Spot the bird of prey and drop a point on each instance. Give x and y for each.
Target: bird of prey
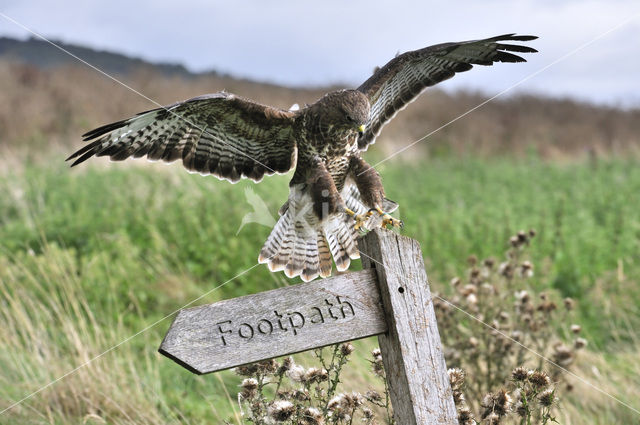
(333, 192)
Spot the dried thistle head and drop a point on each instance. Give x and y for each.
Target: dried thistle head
(579, 343)
(456, 378)
(520, 374)
(562, 355)
(576, 329)
(539, 379)
(465, 417)
(268, 367)
(249, 388)
(373, 395)
(311, 416)
(491, 419)
(346, 349)
(314, 375)
(569, 303)
(497, 403)
(547, 397)
(281, 410)
(286, 365)
(296, 373)
(247, 370)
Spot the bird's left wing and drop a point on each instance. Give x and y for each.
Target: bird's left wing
(401, 80)
(220, 134)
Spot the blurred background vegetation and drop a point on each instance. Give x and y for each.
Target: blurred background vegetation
(95, 255)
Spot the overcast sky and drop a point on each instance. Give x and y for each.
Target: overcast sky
(299, 43)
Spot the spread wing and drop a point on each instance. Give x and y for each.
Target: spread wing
(220, 134)
(400, 81)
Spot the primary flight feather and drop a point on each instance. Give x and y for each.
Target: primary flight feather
(333, 192)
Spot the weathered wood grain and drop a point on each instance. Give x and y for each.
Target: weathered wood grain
(411, 350)
(275, 323)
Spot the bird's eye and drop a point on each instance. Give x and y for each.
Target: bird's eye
(350, 119)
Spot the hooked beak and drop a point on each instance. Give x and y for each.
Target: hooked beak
(361, 130)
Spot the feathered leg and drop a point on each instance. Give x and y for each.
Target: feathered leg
(369, 185)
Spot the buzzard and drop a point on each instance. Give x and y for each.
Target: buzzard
(333, 192)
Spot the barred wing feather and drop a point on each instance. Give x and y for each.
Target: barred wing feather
(399, 82)
(219, 134)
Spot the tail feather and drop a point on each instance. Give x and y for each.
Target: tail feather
(301, 245)
(324, 255)
(312, 260)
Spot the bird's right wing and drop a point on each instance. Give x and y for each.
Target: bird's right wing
(220, 134)
(400, 81)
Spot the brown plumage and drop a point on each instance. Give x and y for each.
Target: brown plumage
(231, 138)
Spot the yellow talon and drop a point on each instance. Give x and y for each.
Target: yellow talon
(350, 212)
(387, 220)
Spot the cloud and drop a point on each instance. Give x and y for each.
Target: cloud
(297, 43)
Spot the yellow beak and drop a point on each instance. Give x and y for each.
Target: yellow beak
(361, 129)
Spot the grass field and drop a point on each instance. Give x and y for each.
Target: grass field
(91, 256)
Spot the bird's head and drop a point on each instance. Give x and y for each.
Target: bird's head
(347, 110)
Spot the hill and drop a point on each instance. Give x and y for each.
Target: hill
(50, 98)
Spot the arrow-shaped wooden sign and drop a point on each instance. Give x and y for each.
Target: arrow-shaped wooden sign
(275, 323)
(390, 298)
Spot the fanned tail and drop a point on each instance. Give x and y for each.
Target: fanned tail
(303, 246)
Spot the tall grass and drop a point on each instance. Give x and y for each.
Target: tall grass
(90, 256)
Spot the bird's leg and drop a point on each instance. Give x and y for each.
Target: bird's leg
(370, 187)
(326, 199)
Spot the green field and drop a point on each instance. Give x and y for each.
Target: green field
(91, 256)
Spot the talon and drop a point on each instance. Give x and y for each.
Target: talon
(387, 220)
(361, 219)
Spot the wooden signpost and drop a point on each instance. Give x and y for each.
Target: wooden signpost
(390, 298)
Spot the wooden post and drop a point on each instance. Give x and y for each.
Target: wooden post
(411, 349)
(389, 298)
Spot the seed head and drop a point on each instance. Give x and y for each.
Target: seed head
(346, 349)
(523, 237)
(539, 379)
(296, 373)
(311, 416)
(336, 402)
(286, 365)
(491, 419)
(268, 366)
(456, 378)
(576, 329)
(520, 374)
(249, 388)
(281, 410)
(301, 395)
(247, 370)
(523, 296)
(547, 397)
(367, 414)
(562, 355)
(315, 375)
(465, 417)
(455, 281)
(569, 303)
(373, 395)
(579, 343)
